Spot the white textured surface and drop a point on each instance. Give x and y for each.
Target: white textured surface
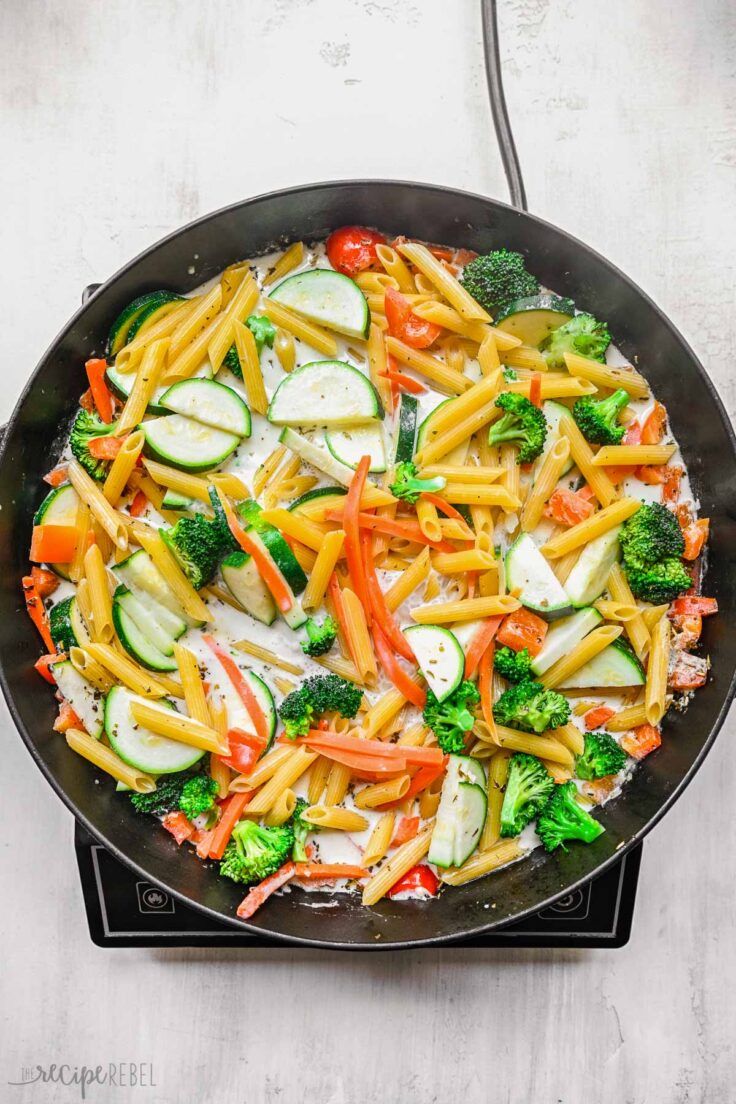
(123, 120)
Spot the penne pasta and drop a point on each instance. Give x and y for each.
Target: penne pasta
(581, 452)
(372, 797)
(434, 369)
(286, 775)
(290, 259)
(616, 611)
(553, 386)
(407, 856)
(310, 533)
(544, 747)
(282, 809)
(201, 314)
(89, 492)
(318, 775)
(579, 655)
(380, 838)
(484, 862)
(124, 669)
(192, 687)
(299, 327)
(545, 482)
(604, 376)
(265, 769)
(338, 782)
(467, 494)
(628, 718)
(444, 281)
(175, 726)
(611, 455)
(592, 527)
(146, 382)
(360, 644)
(655, 689)
(250, 365)
(106, 759)
(328, 554)
(332, 816)
(570, 737)
(652, 615)
(451, 563)
(498, 769)
(267, 656)
(378, 366)
(185, 593)
(122, 467)
(100, 603)
(193, 486)
(470, 609)
(396, 268)
(428, 519)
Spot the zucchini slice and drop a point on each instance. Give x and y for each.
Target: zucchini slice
(186, 444)
(86, 702)
(349, 446)
(532, 580)
(553, 412)
(143, 305)
(616, 665)
(136, 643)
(406, 428)
(66, 626)
(325, 393)
(138, 746)
(461, 813)
(153, 313)
(458, 455)
(440, 657)
(534, 318)
(58, 508)
(121, 382)
(143, 578)
(319, 458)
(274, 544)
(317, 492)
(241, 578)
(589, 576)
(211, 403)
(172, 500)
(328, 298)
(563, 635)
(156, 622)
(237, 714)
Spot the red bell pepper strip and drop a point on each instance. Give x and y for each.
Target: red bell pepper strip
(691, 605)
(43, 666)
(485, 685)
(245, 750)
(53, 543)
(138, 504)
(404, 382)
(419, 877)
(377, 600)
(36, 611)
(232, 811)
(352, 249)
(100, 391)
(408, 327)
(406, 830)
(243, 690)
(260, 893)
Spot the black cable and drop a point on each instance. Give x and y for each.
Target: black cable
(494, 78)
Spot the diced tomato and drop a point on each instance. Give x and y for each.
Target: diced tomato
(653, 429)
(138, 505)
(632, 436)
(695, 536)
(598, 716)
(105, 448)
(407, 326)
(523, 629)
(568, 508)
(688, 630)
(693, 604)
(406, 830)
(67, 718)
(641, 741)
(245, 750)
(43, 666)
(599, 788)
(671, 485)
(351, 249)
(419, 877)
(56, 476)
(180, 828)
(688, 673)
(87, 402)
(618, 472)
(46, 581)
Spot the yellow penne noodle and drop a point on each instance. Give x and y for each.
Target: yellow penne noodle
(407, 856)
(628, 718)
(408, 581)
(469, 494)
(579, 655)
(377, 365)
(484, 862)
(592, 527)
(616, 611)
(290, 259)
(580, 450)
(360, 641)
(652, 615)
(554, 386)
(428, 519)
(172, 573)
(444, 281)
(106, 759)
(193, 486)
(452, 563)
(570, 737)
(285, 349)
(299, 528)
(524, 358)
(341, 666)
(396, 268)
(122, 467)
(544, 747)
(289, 772)
(306, 331)
(221, 336)
(282, 809)
(498, 770)
(264, 770)
(91, 670)
(611, 455)
(250, 364)
(146, 382)
(267, 468)
(477, 395)
(82, 525)
(439, 446)
(441, 613)
(457, 473)
(370, 797)
(603, 376)
(196, 320)
(267, 656)
(327, 556)
(380, 839)
(488, 357)
(337, 784)
(126, 671)
(90, 493)
(512, 473)
(429, 366)
(331, 816)
(100, 602)
(655, 689)
(175, 726)
(231, 279)
(131, 355)
(318, 775)
(191, 681)
(230, 484)
(544, 484)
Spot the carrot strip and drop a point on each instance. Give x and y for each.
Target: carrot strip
(36, 611)
(43, 666)
(329, 870)
(535, 390)
(231, 814)
(403, 753)
(138, 505)
(378, 605)
(392, 527)
(267, 569)
(351, 526)
(53, 543)
(479, 644)
(106, 448)
(447, 509)
(485, 685)
(204, 842)
(243, 690)
(406, 830)
(403, 683)
(56, 476)
(46, 581)
(260, 893)
(594, 718)
(407, 383)
(100, 391)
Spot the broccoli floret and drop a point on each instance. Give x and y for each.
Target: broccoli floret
(263, 331)
(498, 278)
(198, 545)
(296, 712)
(406, 485)
(452, 719)
(528, 786)
(317, 695)
(597, 418)
(601, 756)
(523, 424)
(320, 637)
(531, 708)
(301, 829)
(651, 534)
(198, 796)
(85, 428)
(332, 694)
(659, 582)
(562, 819)
(166, 797)
(510, 374)
(583, 335)
(514, 666)
(255, 851)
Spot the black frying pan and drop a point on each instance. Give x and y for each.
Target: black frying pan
(200, 251)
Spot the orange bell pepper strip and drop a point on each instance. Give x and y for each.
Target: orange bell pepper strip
(260, 893)
(479, 644)
(100, 391)
(392, 527)
(404, 382)
(67, 719)
(424, 777)
(695, 536)
(245, 750)
(43, 666)
(57, 476)
(447, 509)
(314, 870)
(641, 741)
(377, 600)
(406, 830)
(414, 331)
(267, 569)
(535, 390)
(692, 605)
(566, 507)
(654, 426)
(242, 689)
(232, 811)
(403, 755)
(46, 581)
(598, 716)
(351, 525)
(53, 543)
(138, 504)
(105, 448)
(523, 629)
(180, 828)
(36, 611)
(396, 673)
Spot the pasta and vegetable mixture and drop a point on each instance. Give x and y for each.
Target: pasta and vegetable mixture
(370, 565)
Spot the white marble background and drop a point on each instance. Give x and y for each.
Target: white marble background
(124, 119)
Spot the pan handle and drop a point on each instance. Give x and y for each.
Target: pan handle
(89, 292)
(502, 126)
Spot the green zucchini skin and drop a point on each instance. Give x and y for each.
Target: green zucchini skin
(118, 335)
(317, 492)
(66, 626)
(406, 430)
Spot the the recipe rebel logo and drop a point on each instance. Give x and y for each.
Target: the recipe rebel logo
(113, 1075)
